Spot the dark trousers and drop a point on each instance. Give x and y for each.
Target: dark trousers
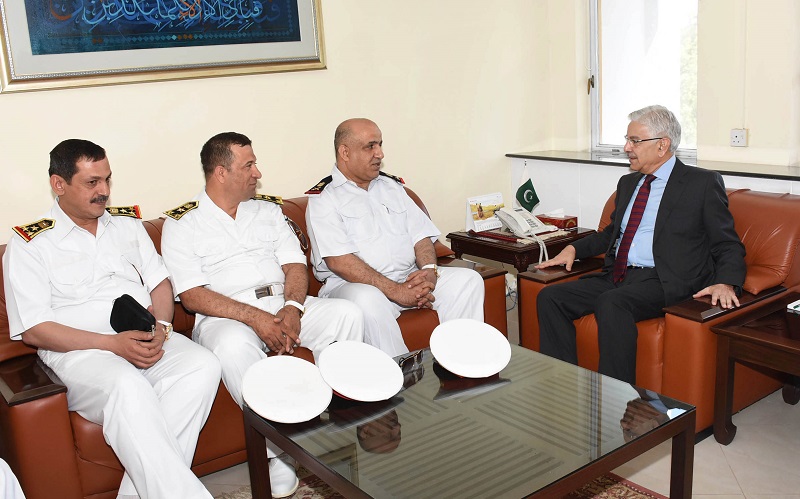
(617, 309)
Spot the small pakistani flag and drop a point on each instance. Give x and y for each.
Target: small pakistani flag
(526, 194)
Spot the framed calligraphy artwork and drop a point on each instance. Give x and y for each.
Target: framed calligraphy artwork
(50, 44)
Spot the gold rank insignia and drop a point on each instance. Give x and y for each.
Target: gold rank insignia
(317, 189)
(28, 232)
(182, 210)
(272, 199)
(124, 211)
(393, 177)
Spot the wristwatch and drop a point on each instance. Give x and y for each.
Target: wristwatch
(167, 329)
(298, 306)
(432, 266)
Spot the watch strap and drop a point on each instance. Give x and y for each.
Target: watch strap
(432, 266)
(298, 306)
(167, 329)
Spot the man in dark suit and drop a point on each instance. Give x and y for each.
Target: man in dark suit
(680, 243)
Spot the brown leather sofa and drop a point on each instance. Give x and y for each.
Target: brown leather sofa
(677, 353)
(58, 454)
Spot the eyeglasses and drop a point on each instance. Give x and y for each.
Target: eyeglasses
(636, 142)
(413, 358)
(299, 233)
(412, 368)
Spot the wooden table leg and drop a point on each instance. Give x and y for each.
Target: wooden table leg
(681, 475)
(521, 263)
(791, 392)
(257, 460)
(724, 429)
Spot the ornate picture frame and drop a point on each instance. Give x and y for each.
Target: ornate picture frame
(50, 44)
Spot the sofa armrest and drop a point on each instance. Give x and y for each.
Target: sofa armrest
(555, 274)
(701, 310)
(26, 378)
(36, 436)
(690, 352)
(484, 270)
(494, 282)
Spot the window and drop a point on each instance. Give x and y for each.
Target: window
(643, 53)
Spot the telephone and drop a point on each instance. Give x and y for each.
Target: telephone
(521, 222)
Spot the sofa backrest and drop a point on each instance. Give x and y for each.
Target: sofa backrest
(769, 226)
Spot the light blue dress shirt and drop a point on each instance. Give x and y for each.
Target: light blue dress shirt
(641, 252)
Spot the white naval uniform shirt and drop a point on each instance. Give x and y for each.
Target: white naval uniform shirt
(232, 257)
(69, 276)
(380, 225)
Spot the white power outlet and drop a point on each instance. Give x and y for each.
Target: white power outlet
(738, 137)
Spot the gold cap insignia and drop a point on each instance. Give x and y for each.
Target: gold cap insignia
(272, 199)
(124, 211)
(393, 177)
(28, 232)
(317, 189)
(182, 210)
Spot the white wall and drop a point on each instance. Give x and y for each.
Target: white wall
(749, 77)
(453, 84)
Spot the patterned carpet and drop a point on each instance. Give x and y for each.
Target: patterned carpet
(609, 486)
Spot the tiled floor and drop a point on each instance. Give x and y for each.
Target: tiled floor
(762, 462)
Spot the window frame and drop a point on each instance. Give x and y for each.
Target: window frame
(687, 155)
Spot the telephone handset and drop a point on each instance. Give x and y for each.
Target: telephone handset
(521, 222)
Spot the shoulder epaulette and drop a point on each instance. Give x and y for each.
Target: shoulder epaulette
(317, 189)
(393, 177)
(272, 199)
(182, 210)
(124, 211)
(28, 232)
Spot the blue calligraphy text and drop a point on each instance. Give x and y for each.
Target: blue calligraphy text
(70, 26)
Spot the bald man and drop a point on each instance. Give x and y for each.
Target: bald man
(373, 245)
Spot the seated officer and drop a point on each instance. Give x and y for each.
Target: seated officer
(373, 245)
(237, 263)
(151, 391)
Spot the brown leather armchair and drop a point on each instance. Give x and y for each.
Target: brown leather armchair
(677, 353)
(56, 453)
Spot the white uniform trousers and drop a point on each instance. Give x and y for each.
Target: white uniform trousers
(9, 485)
(458, 295)
(150, 417)
(238, 347)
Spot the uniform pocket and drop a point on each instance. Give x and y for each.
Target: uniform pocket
(73, 272)
(359, 222)
(264, 238)
(397, 218)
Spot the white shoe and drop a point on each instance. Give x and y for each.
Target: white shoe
(283, 476)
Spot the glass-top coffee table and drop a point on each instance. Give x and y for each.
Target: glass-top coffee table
(541, 427)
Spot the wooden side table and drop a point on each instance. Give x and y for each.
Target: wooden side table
(768, 336)
(518, 254)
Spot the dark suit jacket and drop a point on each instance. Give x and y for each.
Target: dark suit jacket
(694, 242)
